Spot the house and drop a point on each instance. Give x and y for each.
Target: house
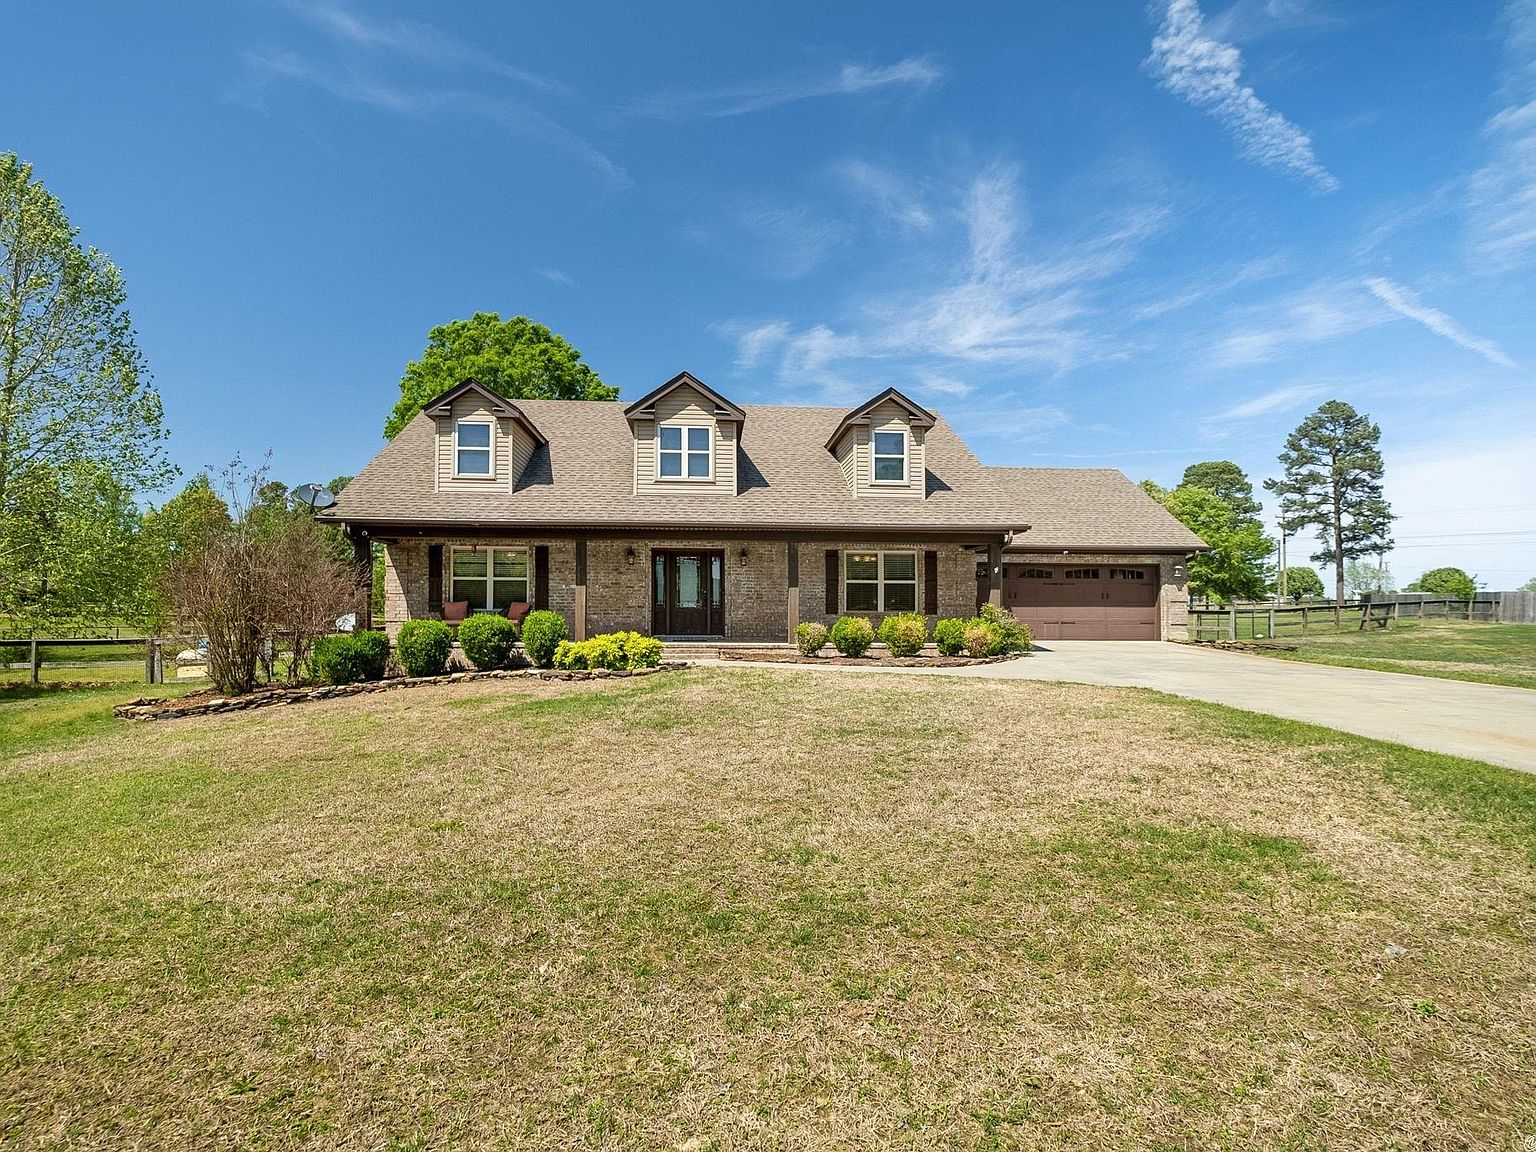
(683, 514)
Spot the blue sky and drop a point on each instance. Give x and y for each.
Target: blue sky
(1091, 234)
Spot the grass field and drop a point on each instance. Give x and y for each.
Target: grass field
(730, 909)
(1484, 653)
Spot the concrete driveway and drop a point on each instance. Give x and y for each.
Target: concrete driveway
(1478, 721)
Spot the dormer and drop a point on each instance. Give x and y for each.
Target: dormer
(483, 440)
(686, 435)
(880, 447)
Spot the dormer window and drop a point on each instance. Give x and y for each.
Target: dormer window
(472, 448)
(890, 458)
(685, 452)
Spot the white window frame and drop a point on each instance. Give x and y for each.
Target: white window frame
(489, 449)
(881, 581)
(683, 453)
(876, 457)
(487, 602)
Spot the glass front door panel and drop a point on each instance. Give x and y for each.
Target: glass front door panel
(688, 582)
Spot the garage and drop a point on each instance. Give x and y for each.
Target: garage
(1083, 601)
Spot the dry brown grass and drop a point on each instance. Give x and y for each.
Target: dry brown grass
(762, 909)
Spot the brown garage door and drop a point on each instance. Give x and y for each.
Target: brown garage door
(1083, 601)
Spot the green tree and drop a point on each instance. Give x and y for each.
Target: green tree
(73, 385)
(514, 358)
(1362, 576)
(1451, 582)
(1529, 585)
(1236, 567)
(188, 520)
(1155, 490)
(1229, 482)
(1303, 584)
(1333, 482)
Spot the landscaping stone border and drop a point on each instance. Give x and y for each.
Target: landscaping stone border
(149, 708)
(791, 656)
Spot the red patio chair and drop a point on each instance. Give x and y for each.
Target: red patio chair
(516, 611)
(455, 611)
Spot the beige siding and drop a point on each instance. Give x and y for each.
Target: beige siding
(845, 461)
(686, 407)
(522, 450)
(856, 456)
(503, 449)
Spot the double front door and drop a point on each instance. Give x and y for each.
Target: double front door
(687, 593)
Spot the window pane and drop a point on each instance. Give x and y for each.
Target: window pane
(466, 563)
(863, 566)
(890, 468)
(474, 435)
(687, 581)
(716, 584)
(505, 592)
(672, 438)
(698, 439)
(863, 597)
(901, 597)
(471, 590)
(890, 444)
(511, 564)
(698, 464)
(474, 462)
(901, 565)
(659, 579)
(671, 463)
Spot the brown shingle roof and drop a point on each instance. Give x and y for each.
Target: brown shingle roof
(584, 477)
(1088, 509)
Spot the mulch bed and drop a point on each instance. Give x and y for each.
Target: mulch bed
(208, 702)
(781, 656)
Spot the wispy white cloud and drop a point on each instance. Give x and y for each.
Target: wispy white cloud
(1318, 313)
(914, 72)
(1501, 195)
(1402, 301)
(367, 58)
(890, 196)
(555, 276)
(1208, 73)
(1276, 400)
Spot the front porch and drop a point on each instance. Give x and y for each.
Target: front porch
(731, 589)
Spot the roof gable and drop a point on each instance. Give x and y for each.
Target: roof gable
(645, 407)
(919, 416)
(442, 405)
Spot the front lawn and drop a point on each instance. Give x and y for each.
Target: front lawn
(736, 908)
(1484, 653)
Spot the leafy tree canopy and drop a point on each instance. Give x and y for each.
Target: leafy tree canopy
(1236, 567)
(1445, 582)
(73, 385)
(515, 358)
(1303, 584)
(1529, 585)
(1362, 576)
(1229, 482)
(1333, 482)
(1155, 490)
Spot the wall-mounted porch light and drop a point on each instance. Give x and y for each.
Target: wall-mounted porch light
(742, 555)
(629, 555)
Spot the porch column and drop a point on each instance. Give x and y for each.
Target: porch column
(995, 573)
(794, 588)
(581, 590)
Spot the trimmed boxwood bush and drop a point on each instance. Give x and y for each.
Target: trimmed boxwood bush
(949, 636)
(348, 658)
(852, 635)
(1010, 635)
(904, 633)
(424, 647)
(488, 641)
(612, 650)
(542, 633)
(809, 637)
(979, 638)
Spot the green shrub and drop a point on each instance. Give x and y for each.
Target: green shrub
(488, 641)
(979, 638)
(904, 633)
(852, 635)
(542, 633)
(424, 647)
(1011, 635)
(809, 637)
(346, 659)
(949, 636)
(613, 650)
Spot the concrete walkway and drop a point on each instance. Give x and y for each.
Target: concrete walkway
(1478, 721)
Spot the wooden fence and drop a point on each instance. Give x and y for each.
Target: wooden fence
(154, 666)
(1272, 621)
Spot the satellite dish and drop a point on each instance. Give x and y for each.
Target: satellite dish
(314, 496)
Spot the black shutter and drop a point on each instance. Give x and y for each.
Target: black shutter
(930, 583)
(435, 578)
(833, 575)
(541, 576)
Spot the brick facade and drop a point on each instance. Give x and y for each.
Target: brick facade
(619, 589)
